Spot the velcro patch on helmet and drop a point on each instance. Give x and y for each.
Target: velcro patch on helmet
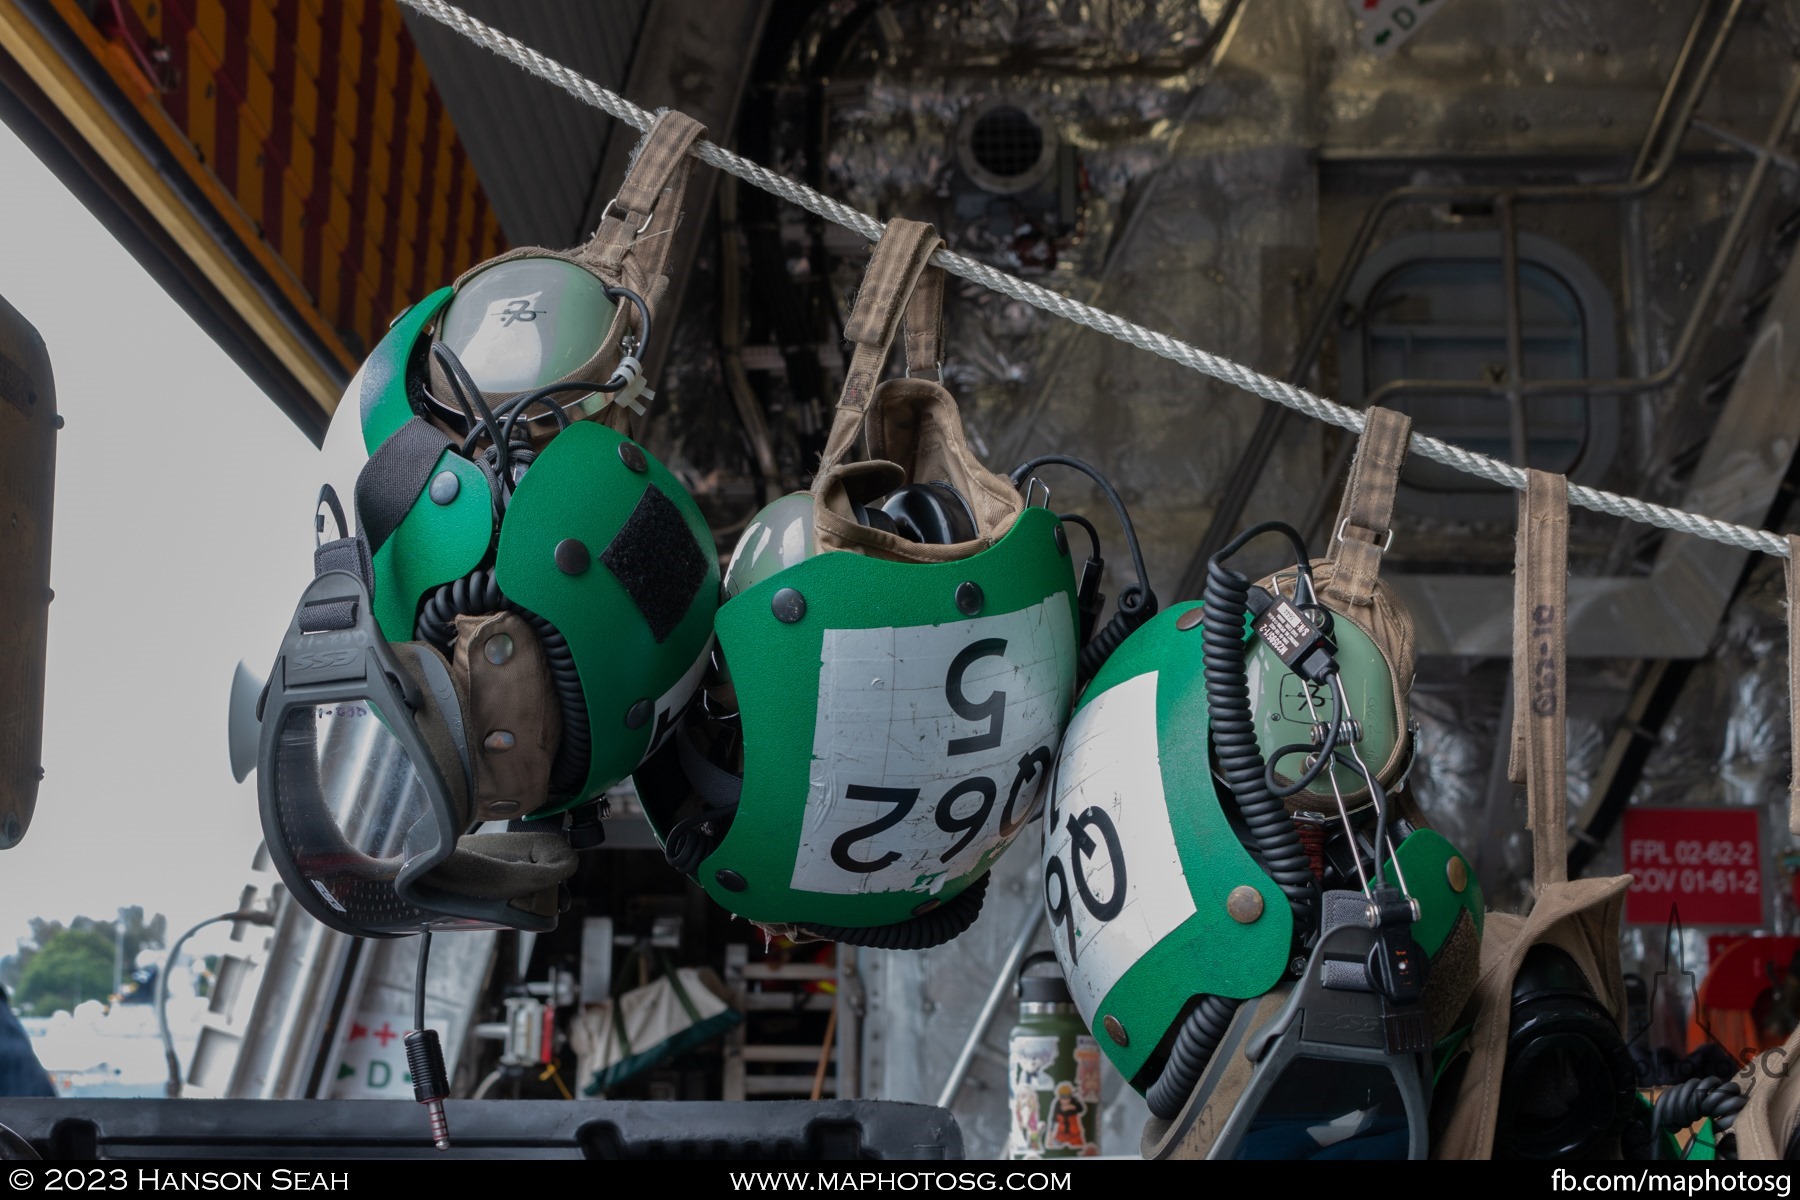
(656, 559)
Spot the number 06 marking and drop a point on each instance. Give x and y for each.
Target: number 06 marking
(1081, 846)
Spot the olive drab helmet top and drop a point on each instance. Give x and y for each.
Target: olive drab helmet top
(895, 664)
(524, 604)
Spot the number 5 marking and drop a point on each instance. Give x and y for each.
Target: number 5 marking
(902, 799)
(992, 710)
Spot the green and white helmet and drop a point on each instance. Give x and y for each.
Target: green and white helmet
(897, 660)
(1163, 919)
(518, 614)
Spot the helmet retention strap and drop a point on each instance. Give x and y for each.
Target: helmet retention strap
(1540, 749)
(1365, 522)
(891, 292)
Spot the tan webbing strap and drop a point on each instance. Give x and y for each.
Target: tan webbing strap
(1365, 518)
(882, 302)
(925, 324)
(1793, 604)
(641, 220)
(1540, 661)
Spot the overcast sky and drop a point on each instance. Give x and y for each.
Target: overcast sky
(182, 540)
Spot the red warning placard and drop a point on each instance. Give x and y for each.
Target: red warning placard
(1702, 865)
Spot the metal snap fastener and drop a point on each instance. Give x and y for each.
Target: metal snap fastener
(731, 881)
(499, 648)
(969, 598)
(632, 455)
(638, 715)
(572, 557)
(788, 606)
(1245, 904)
(444, 487)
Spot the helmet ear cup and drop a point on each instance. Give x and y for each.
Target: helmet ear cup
(1569, 1083)
(875, 518)
(932, 514)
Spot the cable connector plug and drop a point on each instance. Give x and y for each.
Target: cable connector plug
(1300, 644)
(425, 1059)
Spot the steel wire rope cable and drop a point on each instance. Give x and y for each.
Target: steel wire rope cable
(1161, 344)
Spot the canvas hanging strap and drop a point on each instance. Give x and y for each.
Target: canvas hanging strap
(1365, 517)
(891, 292)
(639, 224)
(1540, 746)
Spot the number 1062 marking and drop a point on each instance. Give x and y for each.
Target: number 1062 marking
(984, 791)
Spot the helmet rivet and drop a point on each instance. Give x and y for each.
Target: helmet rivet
(1115, 1031)
(969, 598)
(1458, 873)
(503, 808)
(638, 715)
(926, 907)
(788, 606)
(633, 456)
(572, 557)
(499, 648)
(1062, 540)
(444, 487)
(1245, 904)
(1190, 619)
(498, 741)
(731, 881)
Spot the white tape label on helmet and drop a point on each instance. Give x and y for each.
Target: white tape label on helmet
(1113, 881)
(931, 747)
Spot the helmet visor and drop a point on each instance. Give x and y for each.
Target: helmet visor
(1324, 1109)
(1322, 1082)
(360, 774)
(351, 811)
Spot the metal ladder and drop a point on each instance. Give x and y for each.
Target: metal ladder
(792, 1068)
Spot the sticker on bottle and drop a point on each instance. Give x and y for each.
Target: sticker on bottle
(1113, 881)
(1087, 1068)
(931, 747)
(1032, 1057)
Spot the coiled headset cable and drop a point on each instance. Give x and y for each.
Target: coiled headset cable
(1270, 831)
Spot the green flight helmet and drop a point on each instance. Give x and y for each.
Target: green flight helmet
(517, 606)
(896, 661)
(596, 541)
(1161, 912)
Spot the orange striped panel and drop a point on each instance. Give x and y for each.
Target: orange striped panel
(315, 130)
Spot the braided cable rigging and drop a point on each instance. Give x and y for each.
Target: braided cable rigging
(1129, 332)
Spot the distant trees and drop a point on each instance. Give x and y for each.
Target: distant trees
(60, 966)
